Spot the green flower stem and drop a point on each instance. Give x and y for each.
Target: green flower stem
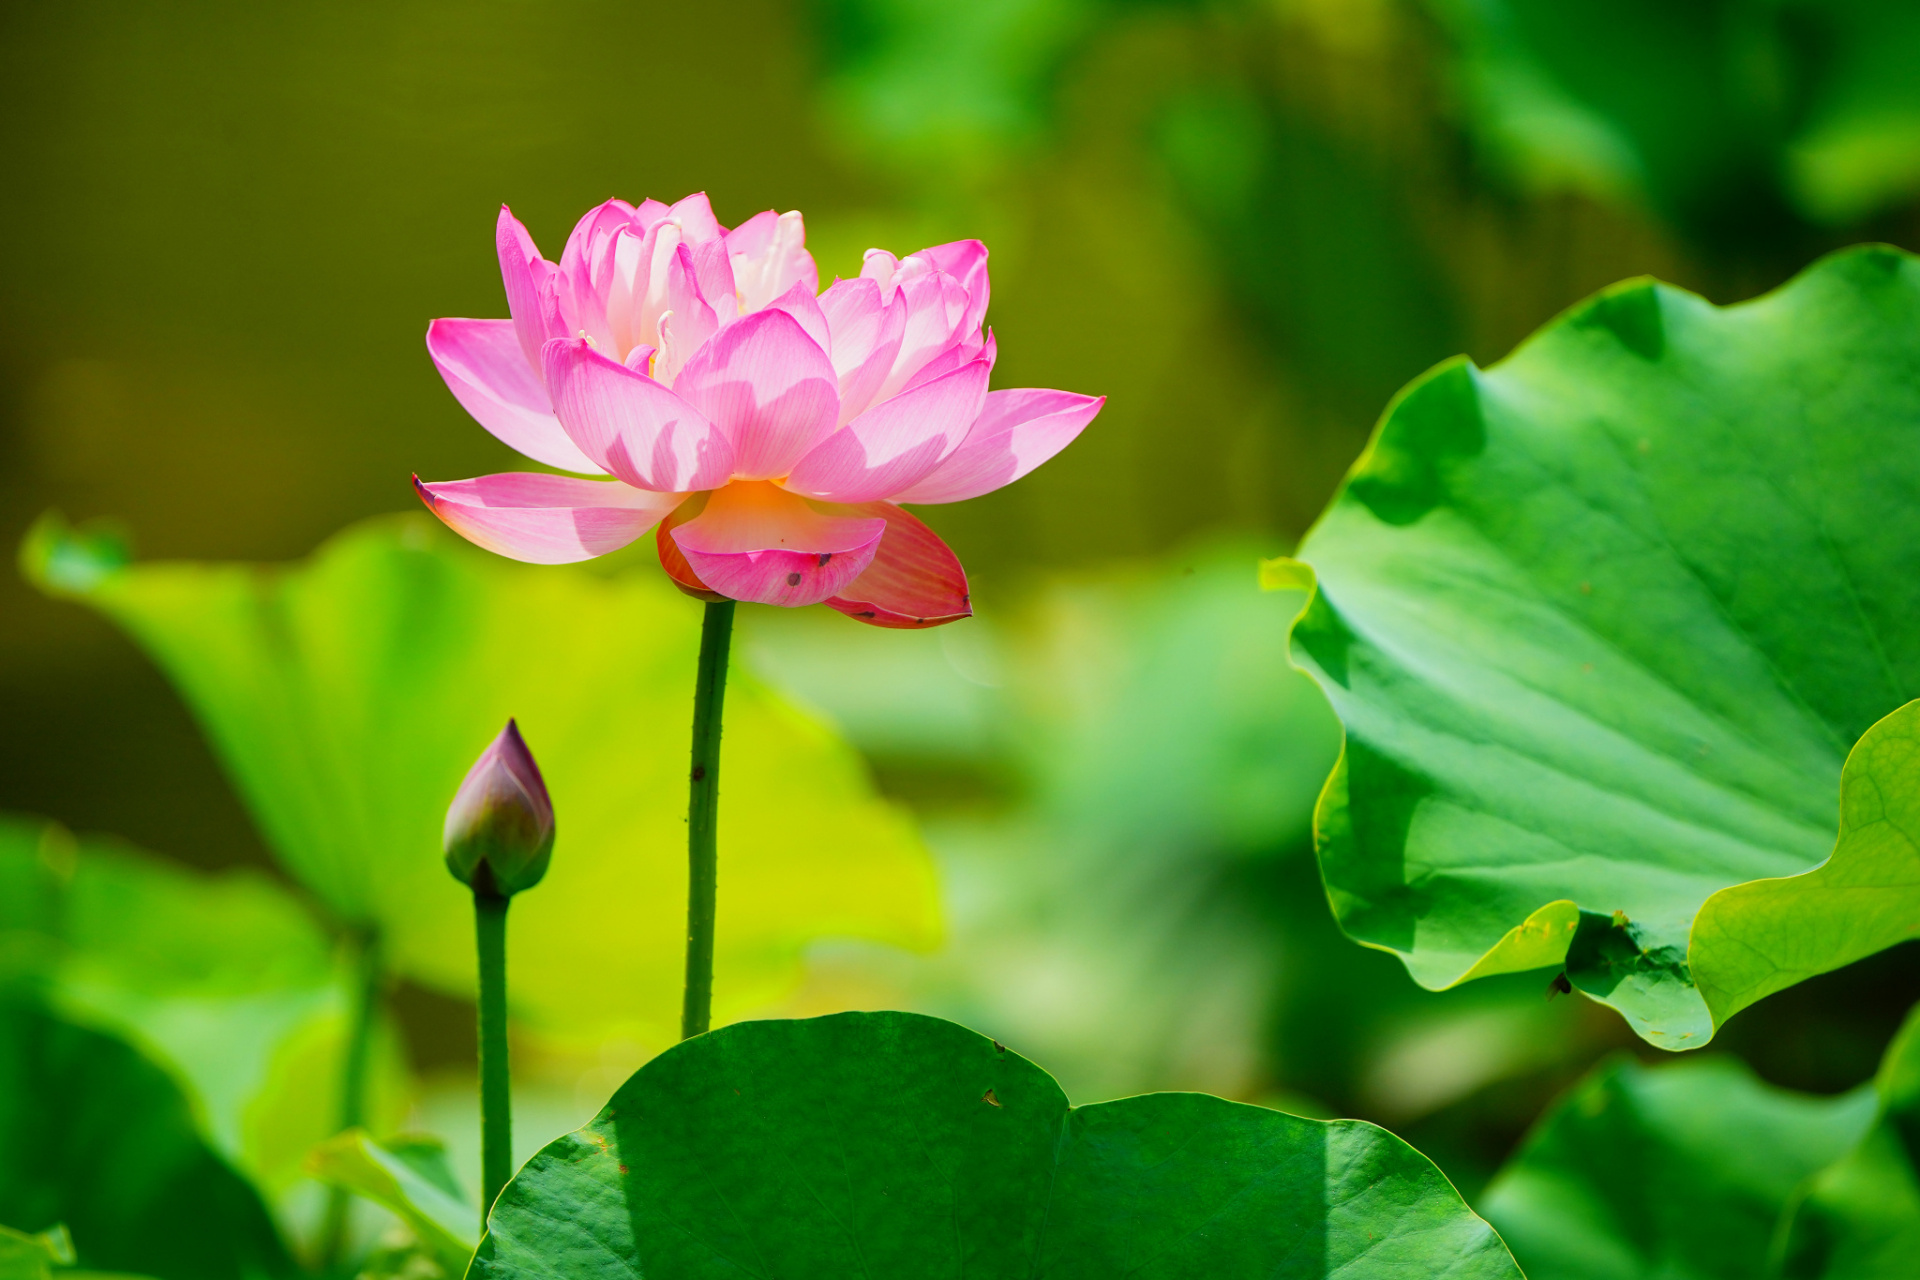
(496, 1101)
(370, 977)
(703, 803)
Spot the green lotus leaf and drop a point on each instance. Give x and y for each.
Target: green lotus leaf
(897, 1145)
(1727, 117)
(1678, 1171)
(225, 980)
(409, 1178)
(1859, 1218)
(95, 1137)
(1602, 624)
(347, 696)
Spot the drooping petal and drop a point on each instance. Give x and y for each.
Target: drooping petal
(966, 262)
(488, 374)
(632, 426)
(768, 387)
(671, 558)
(1017, 431)
(545, 519)
(755, 541)
(915, 580)
(531, 298)
(770, 257)
(895, 444)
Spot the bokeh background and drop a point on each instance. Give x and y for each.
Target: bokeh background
(1247, 222)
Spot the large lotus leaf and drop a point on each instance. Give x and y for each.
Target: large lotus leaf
(94, 1136)
(226, 980)
(348, 695)
(1678, 1171)
(1724, 114)
(1859, 1218)
(896, 1145)
(1602, 623)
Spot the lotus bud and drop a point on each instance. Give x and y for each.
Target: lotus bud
(499, 831)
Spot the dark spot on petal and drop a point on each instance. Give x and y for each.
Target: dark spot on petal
(699, 772)
(793, 579)
(824, 557)
(864, 613)
(967, 598)
(989, 1099)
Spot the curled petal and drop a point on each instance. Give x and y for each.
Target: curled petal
(545, 519)
(864, 340)
(671, 558)
(936, 308)
(896, 443)
(769, 253)
(686, 322)
(768, 387)
(915, 580)
(1016, 432)
(484, 368)
(630, 425)
(966, 262)
(532, 299)
(755, 541)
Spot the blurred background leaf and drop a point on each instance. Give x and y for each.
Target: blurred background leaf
(226, 981)
(348, 696)
(96, 1137)
(1680, 1170)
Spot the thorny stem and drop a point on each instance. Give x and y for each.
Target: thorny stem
(496, 1101)
(370, 977)
(703, 861)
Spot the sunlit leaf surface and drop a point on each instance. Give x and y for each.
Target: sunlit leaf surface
(411, 1181)
(95, 1136)
(895, 1145)
(348, 695)
(1602, 623)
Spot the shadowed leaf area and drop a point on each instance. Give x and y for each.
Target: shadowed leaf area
(897, 1145)
(94, 1136)
(1603, 623)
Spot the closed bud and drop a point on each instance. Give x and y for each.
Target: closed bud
(500, 820)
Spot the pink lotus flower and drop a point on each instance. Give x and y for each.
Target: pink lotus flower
(769, 432)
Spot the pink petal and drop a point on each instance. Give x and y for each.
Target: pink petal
(695, 216)
(755, 541)
(770, 389)
(531, 300)
(893, 445)
(713, 270)
(545, 519)
(915, 580)
(770, 257)
(800, 303)
(966, 262)
(685, 320)
(631, 425)
(671, 558)
(864, 340)
(590, 235)
(936, 317)
(1016, 432)
(482, 363)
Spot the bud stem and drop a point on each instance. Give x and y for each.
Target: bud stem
(496, 1099)
(703, 802)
